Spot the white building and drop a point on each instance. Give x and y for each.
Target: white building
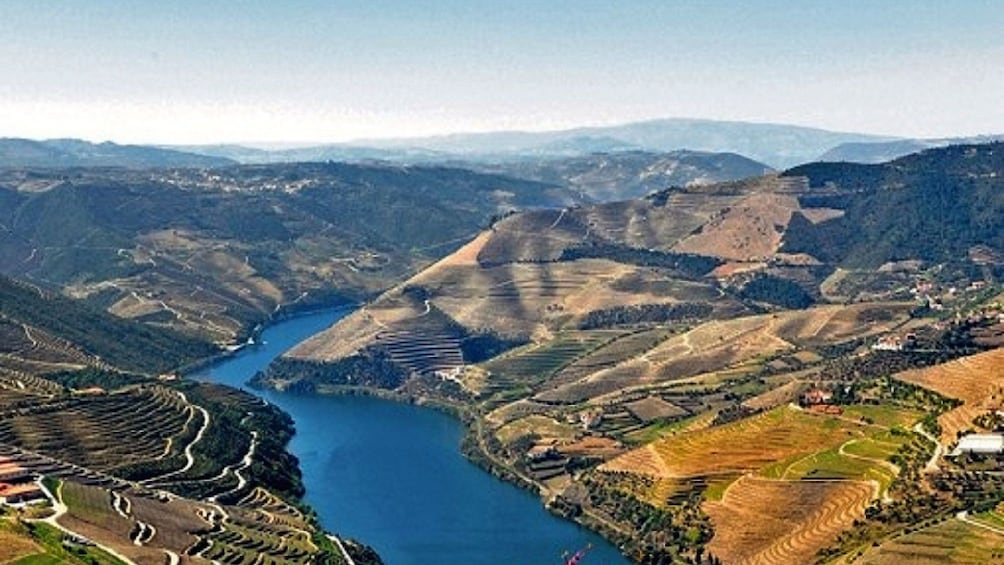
(980, 444)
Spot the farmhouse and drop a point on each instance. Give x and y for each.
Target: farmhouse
(980, 444)
(26, 492)
(541, 452)
(590, 419)
(12, 472)
(817, 396)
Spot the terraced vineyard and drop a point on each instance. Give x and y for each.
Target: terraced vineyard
(978, 381)
(92, 441)
(532, 365)
(261, 529)
(765, 521)
(618, 350)
(950, 541)
(147, 526)
(36, 350)
(421, 352)
(745, 445)
(90, 430)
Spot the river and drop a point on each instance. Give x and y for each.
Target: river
(391, 475)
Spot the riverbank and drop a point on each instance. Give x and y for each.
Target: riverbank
(252, 334)
(474, 448)
(382, 467)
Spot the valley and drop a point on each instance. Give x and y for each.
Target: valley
(741, 371)
(467, 282)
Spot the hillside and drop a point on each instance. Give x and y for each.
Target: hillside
(69, 153)
(604, 177)
(665, 369)
(938, 206)
(214, 252)
(47, 331)
(143, 469)
(769, 242)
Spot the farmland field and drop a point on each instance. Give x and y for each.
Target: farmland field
(737, 344)
(541, 425)
(948, 542)
(533, 364)
(745, 445)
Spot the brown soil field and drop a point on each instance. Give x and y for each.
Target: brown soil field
(775, 397)
(653, 408)
(762, 521)
(539, 235)
(727, 270)
(820, 215)
(741, 446)
(91, 515)
(592, 446)
(977, 380)
(751, 228)
(640, 224)
(174, 520)
(348, 336)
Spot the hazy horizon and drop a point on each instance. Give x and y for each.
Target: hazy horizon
(315, 71)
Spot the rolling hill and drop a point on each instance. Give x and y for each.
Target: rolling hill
(213, 252)
(44, 331)
(68, 153)
(604, 177)
(777, 145)
(731, 247)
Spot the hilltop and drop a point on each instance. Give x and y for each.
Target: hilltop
(872, 152)
(665, 368)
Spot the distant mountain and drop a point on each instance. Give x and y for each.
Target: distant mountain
(315, 153)
(602, 177)
(67, 153)
(777, 145)
(882, 151)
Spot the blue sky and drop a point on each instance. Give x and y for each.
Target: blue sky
(315, 70)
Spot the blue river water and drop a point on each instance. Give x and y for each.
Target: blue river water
(391, 475)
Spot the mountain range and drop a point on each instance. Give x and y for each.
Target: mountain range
(776, 145)
(68, 153)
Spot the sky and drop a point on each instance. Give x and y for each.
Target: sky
(208, 71)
